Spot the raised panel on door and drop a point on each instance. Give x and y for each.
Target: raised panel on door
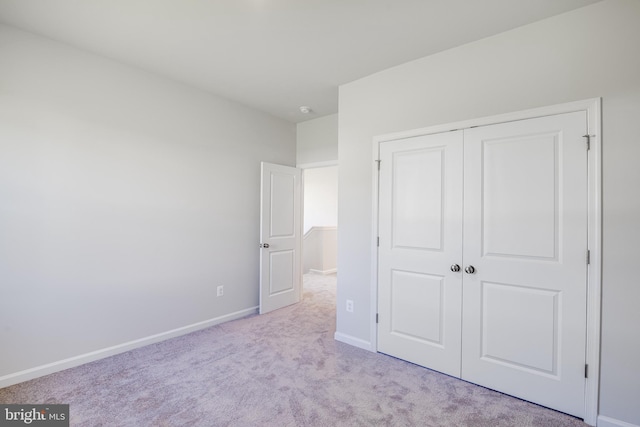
(525, 225)
(419, 297)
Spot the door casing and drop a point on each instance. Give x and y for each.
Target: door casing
(594, 138)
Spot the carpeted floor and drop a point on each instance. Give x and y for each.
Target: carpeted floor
(279, 369)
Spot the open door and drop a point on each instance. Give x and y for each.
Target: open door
(280, 237)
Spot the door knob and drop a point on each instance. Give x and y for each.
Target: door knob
(264, 245)
(469, 269)
(455, 268)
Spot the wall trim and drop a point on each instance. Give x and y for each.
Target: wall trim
(318, 228)
(612, 422)
(319, 250)
(324, 272)
(50, 368)
(318, 164)
(594, 295)
(351, 340)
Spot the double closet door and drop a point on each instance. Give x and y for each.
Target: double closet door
(483, 256)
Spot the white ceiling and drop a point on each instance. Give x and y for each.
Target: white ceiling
(273, 55)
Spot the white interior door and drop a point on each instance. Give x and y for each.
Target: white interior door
(420, 229)
(280, 237)
(525, 234)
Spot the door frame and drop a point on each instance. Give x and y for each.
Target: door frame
(594, 275)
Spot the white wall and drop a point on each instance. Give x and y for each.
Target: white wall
(317, 140)
(320, 197)
(125, 200)
(587, 53)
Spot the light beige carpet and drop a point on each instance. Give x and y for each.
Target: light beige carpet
(279, 369)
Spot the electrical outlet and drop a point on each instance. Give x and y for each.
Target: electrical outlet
(220, 291)
(349, 306)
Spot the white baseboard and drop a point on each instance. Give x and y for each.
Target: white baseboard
(324, 272)
(356, 342)
(612, 422)
(50, 368)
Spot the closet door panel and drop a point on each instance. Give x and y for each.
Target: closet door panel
(520, 197)
(420, 228)
(525, 223)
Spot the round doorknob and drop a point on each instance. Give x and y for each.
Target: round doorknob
(469, 269)
(455, 268)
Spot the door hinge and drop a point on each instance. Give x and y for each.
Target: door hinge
(376, 317)
(378, 162)
(588, 140)
(588, 257)
(378, 241)
(586, 371)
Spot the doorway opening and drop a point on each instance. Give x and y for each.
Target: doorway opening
(320, 220)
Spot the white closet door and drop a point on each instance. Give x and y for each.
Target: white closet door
(525, 233)
(420, 219)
